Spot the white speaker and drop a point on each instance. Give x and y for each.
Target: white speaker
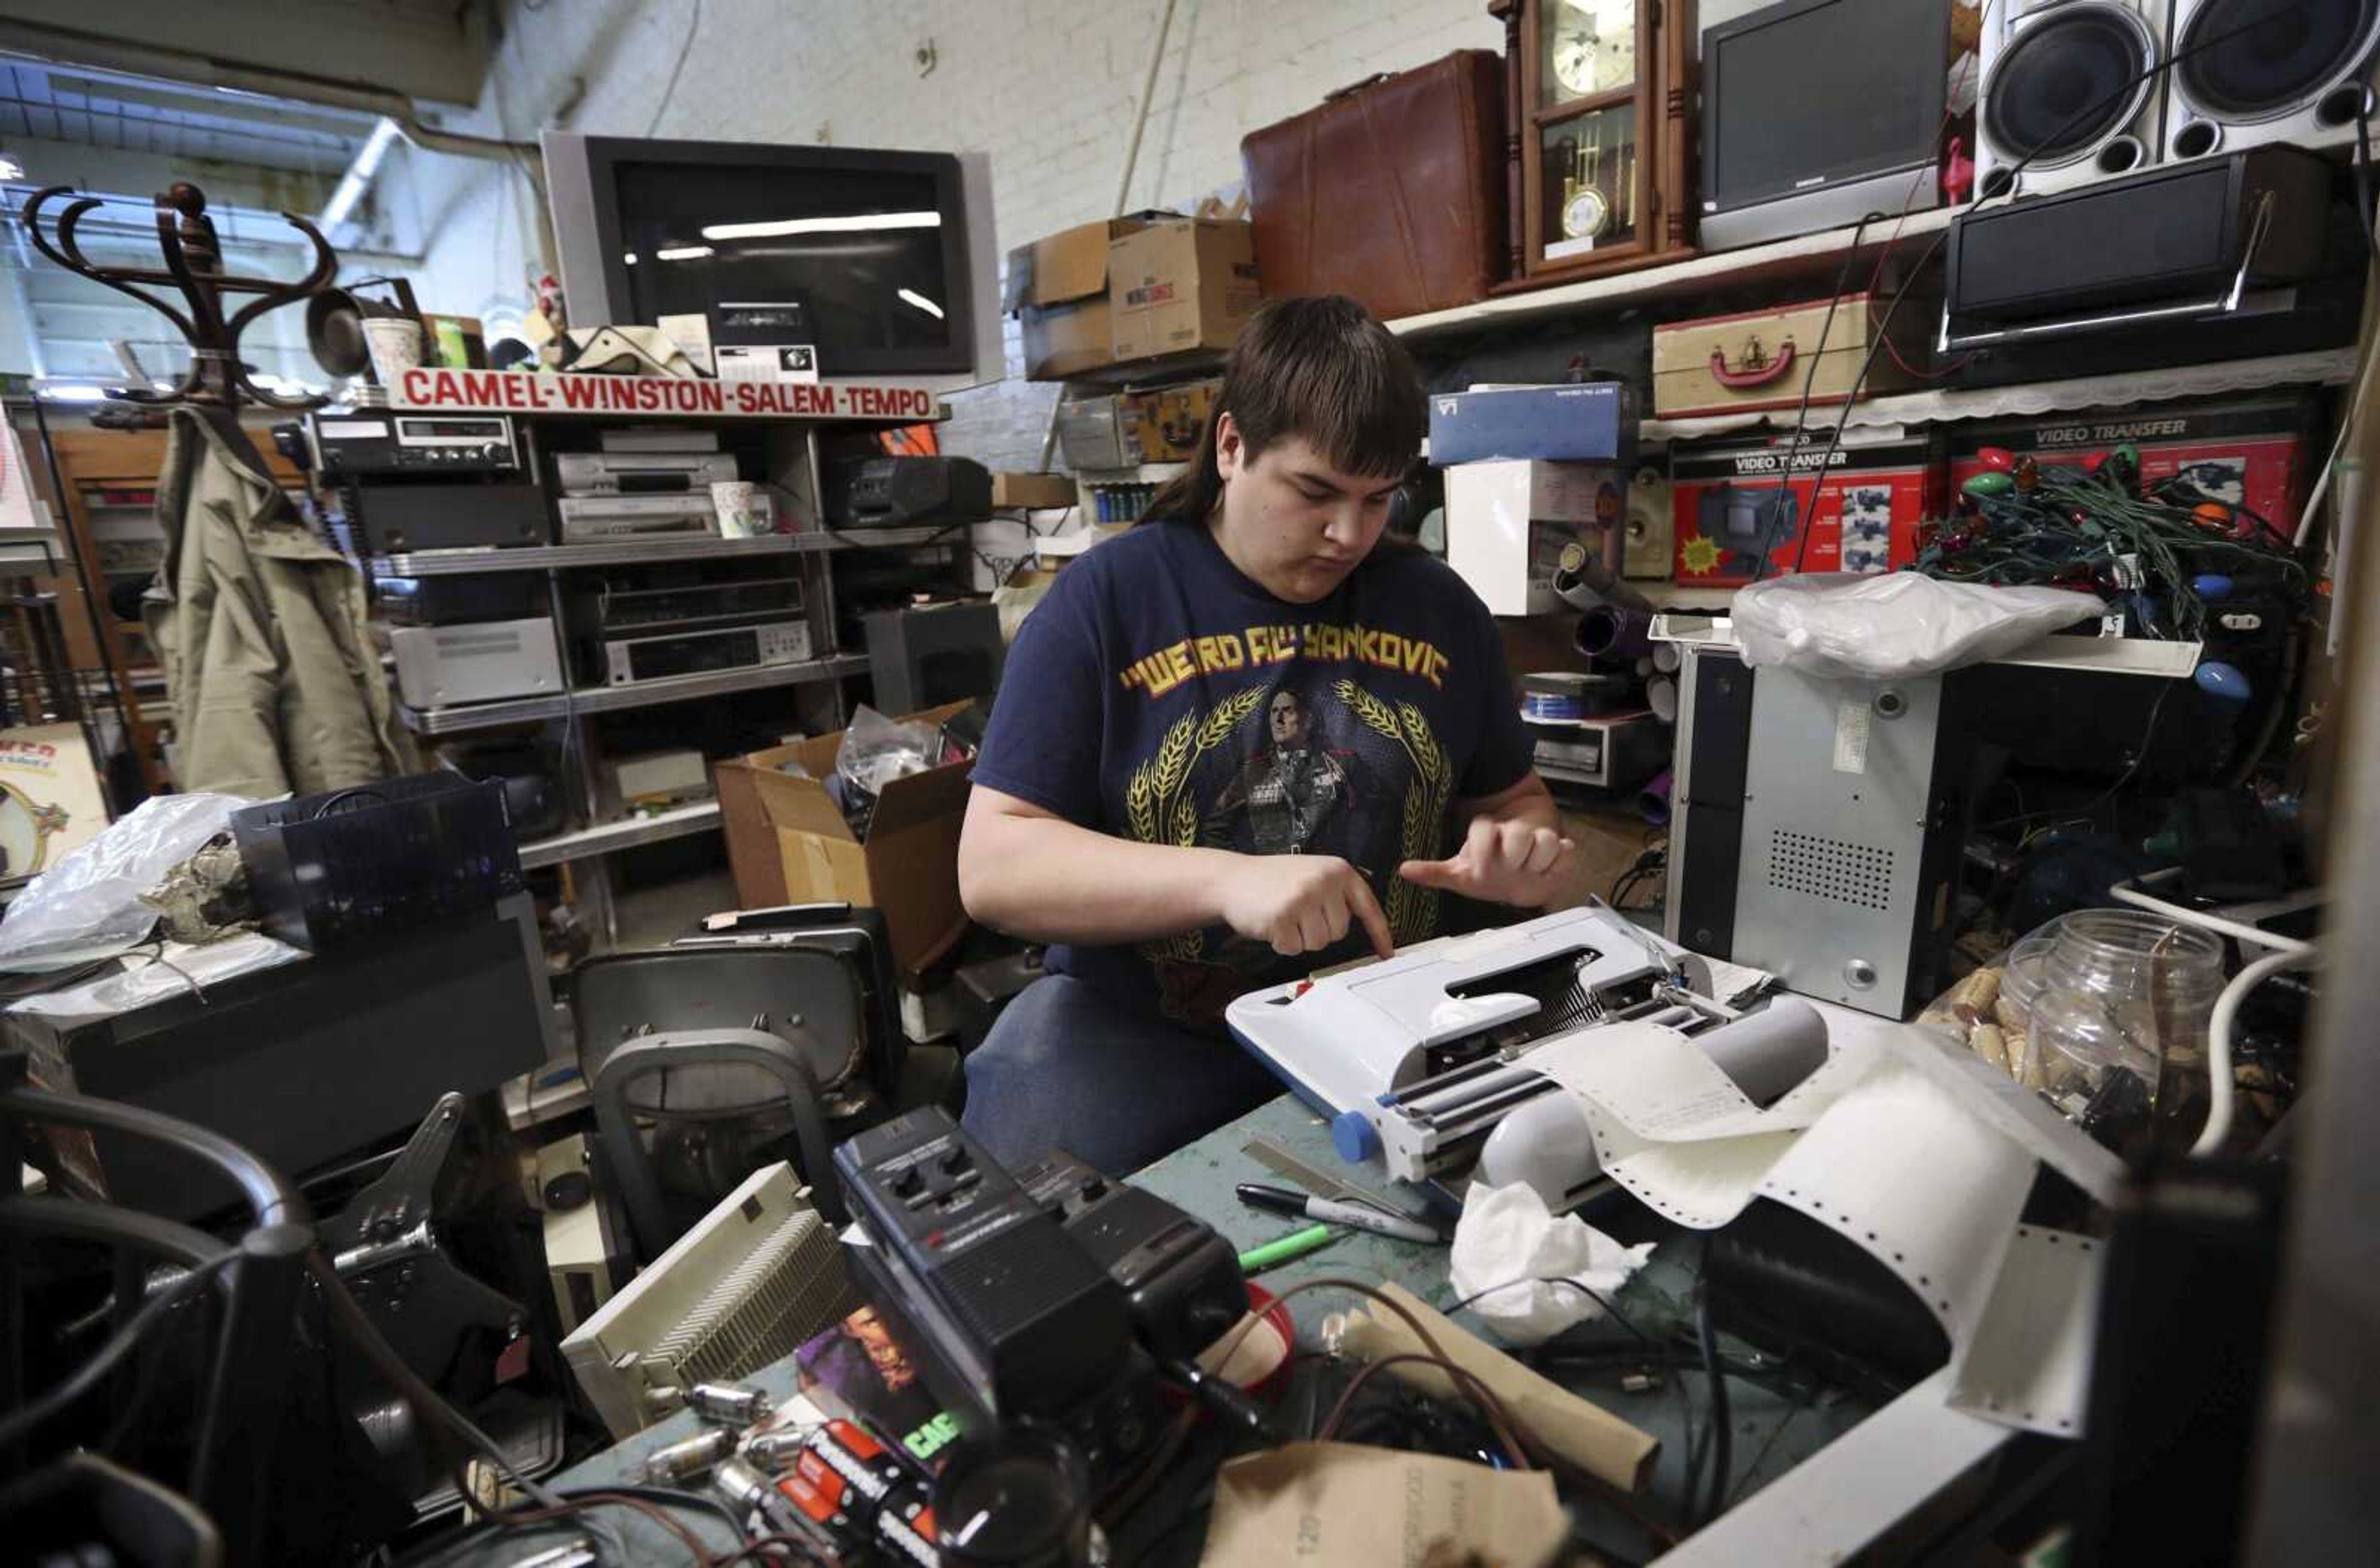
(2071, 93)
(2248, 72)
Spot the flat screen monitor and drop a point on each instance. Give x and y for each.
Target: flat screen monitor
(885, 259)
(1834, 106)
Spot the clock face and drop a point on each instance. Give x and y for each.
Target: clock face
(1590, 46)
(1574, 62)
(1585, 215)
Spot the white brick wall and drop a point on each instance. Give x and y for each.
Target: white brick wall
(1047, 87)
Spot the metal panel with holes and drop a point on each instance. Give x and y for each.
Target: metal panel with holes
(1837, 784)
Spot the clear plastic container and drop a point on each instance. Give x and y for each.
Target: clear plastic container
(2102, 1013)
(2122, 992)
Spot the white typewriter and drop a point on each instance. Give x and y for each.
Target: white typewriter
(1422, 1060)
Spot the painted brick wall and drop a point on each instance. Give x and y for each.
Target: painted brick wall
(1047, 87)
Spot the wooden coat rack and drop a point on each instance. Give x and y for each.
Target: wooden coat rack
(216, 380)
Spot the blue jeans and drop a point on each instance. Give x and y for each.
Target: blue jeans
(1069, 1066)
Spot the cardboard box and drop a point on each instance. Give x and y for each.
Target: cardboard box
(1864, 517)
(1090, 431)
(2256, 453)
(1032, 491)
(787, 842)
(1164, 426)
(1507, 523)
(1189, 283)
(1593, 422)
(1058, 287)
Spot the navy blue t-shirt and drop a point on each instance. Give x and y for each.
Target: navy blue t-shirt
(1159, 694)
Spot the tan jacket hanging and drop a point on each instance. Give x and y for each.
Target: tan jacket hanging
(260, 628)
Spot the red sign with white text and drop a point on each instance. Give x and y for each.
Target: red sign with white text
(523, 392)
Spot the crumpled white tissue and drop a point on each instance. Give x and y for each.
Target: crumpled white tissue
(1508, 1238)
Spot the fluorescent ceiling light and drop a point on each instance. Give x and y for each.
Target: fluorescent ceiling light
(360, 174)
(912, 297)
(859, 223)
(683, 253)
(75, 394)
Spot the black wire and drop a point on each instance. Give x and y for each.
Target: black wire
(2140, 755)
(1809, 381)
(1880, 333)
(1724, 1443)
(88, 1375)
(341, 796)
(1588, 1290)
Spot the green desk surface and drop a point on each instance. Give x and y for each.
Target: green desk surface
(1777, 1422)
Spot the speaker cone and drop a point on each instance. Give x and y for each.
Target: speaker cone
(2069, 82)
(2257, 58)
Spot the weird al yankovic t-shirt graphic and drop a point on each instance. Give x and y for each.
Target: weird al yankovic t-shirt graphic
(1158, 694)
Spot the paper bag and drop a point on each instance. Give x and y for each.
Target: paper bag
(1336, 1505)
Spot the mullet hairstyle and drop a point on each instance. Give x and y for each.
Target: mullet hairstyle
(1322, 367)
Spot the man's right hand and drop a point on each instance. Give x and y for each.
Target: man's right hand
(1301, 902)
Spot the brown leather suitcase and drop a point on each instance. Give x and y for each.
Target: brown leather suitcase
(1393, 190)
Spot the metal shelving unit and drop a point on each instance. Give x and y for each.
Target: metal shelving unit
(685, 688)
(793, 461)
(630, 834)
(646, 553)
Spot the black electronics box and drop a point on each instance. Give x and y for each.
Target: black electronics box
(341, 869)
(1182, 1277)
(931, 654)
(1002, 1306)
(397, 518)
(2174, 233)
(445, 601)
(882, 492)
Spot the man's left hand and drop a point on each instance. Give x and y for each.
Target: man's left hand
(1501, 862)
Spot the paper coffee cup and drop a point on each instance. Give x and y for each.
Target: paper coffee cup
(739, 517)
(394, 344)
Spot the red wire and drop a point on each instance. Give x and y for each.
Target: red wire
(1884, 254)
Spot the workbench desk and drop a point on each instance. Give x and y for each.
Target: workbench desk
(1777, 1422)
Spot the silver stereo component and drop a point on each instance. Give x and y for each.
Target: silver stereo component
(2245, 74)
(641, 473)
(585, 517)
(631, 659)
(476, 661)
(2070, 95)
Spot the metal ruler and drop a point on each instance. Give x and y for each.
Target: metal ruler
(1269, 1154)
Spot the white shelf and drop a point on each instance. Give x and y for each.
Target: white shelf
(683, 821)
(2106, 656)
(2332, 367)
(649, 551)
(1809, 253)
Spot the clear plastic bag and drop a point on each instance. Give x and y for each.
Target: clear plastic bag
(876, 749)
(1849, 627)
(88, 905)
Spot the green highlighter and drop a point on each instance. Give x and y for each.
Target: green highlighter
(1295, 1245)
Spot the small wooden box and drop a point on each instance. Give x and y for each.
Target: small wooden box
(1761, 358)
